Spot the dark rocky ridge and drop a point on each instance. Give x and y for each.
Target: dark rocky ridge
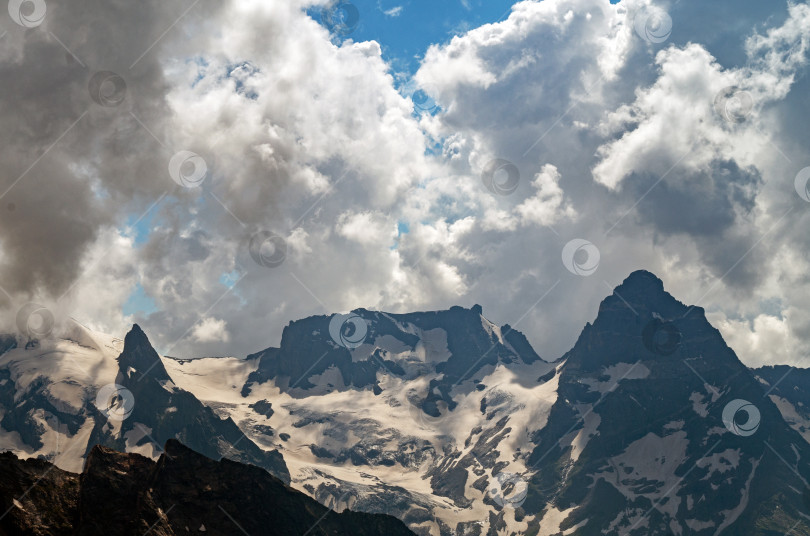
(172, 413)
(689, 376)
(36, 497)
(307, 349)
(182, 493)
(161, 411)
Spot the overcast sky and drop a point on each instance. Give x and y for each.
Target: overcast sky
(213, 169)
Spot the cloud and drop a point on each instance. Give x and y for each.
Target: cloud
(765, 340)
(547, 205)
(72, 166)
(211, 329)
(617, 140)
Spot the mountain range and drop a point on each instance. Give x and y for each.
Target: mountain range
(649, 425)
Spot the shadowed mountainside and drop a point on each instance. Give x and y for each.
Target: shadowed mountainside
(183, 492)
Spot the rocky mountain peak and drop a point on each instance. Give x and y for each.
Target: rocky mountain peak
(139, 355)
(644, 279)
(456, 343)
(651, 374)
(157, 411)
(649, 426)
(643, 293)
(641, 322)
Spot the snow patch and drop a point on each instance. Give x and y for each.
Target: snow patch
(615, 374)
(720, 462)
(579, 439)
(552, 519)
(789, 412)
(136, 435)
(649, 459)
(699, 405)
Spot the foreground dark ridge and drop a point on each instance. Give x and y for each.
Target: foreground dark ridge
(182, 493)
(649, 426)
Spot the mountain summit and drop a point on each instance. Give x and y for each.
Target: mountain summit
(649, 425)
(161, 411)
(139, 356)
(658, 428)
(455, 344)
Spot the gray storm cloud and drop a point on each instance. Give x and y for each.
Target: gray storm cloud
(617, 140)
(73, 162)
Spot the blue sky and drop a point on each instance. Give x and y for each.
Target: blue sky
(406, 28)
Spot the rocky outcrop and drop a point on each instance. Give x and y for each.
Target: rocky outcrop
(659, 429)
(182, 493)
(167, 412)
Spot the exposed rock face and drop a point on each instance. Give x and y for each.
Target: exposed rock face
(50, 394)
(633, 439)
(182, 493)
(308, 348)
(167, 412)
(640, 442)
(649, 425)
(392, 402)
(36, 498)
